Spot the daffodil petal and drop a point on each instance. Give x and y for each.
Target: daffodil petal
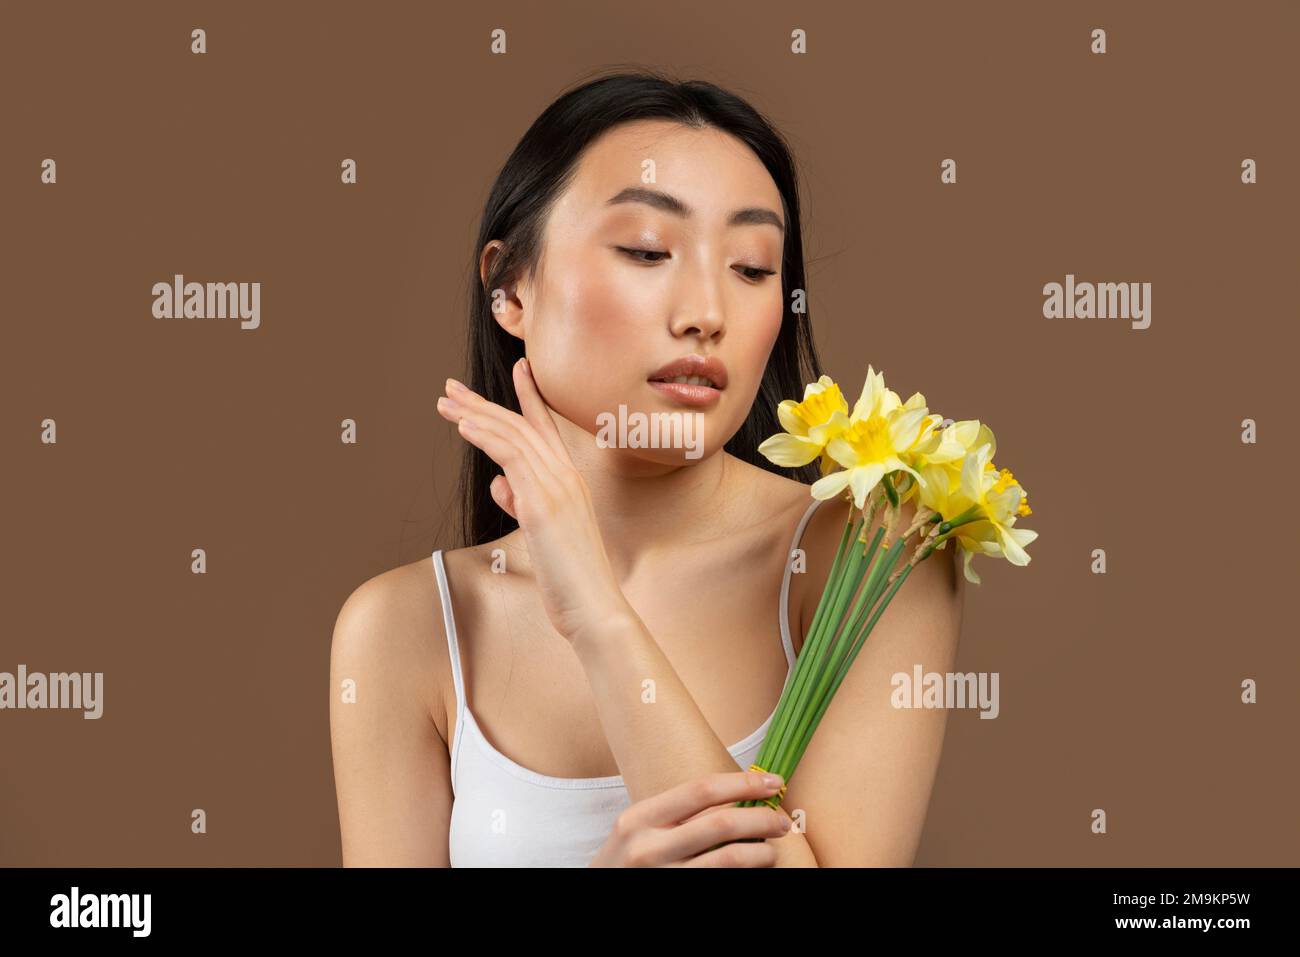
(789, 421)
(823, 383)
(1013, 541)
(867, 400)
(829, 486)
(863, 480)
(842, 452)
(905, 428)
(972, 473)
(934, 488)
(790, 451)
(898, 465)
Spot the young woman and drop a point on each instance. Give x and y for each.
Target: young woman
(588, 677)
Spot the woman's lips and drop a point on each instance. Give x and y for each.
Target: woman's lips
(687, 394)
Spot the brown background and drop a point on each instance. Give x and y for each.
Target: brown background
(1118, 691)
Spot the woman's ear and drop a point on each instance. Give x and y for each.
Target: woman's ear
(507, 308)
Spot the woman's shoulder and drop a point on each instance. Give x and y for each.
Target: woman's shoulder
(462, 563)
(390, 629)
(406, 597)
(790, 498)
(393, 597)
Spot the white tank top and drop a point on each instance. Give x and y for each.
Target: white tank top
(505, 815)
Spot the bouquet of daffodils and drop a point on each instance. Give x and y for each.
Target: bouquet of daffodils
(883, 454)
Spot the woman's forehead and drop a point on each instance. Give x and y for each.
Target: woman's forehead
(709, 170)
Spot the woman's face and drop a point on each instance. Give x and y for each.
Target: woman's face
(644, 261)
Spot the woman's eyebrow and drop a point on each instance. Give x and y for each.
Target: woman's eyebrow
(750, 215)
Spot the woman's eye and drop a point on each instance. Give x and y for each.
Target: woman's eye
(637, 253)
(755, 273)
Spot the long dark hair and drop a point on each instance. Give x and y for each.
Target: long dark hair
(538, 171)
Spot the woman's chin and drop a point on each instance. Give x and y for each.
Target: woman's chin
(665, 457)
(671, 436)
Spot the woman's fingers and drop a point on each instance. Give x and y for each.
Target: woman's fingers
(503, 496)
(508, 422)
(724, 825)
(761, 854)
(698, 794)
(480, 413)
(515, 458)
(696, 824)
(536, 410)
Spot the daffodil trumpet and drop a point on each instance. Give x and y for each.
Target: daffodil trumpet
(888, 453)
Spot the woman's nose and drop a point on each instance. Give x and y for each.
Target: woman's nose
(708, 324)
(702, 311)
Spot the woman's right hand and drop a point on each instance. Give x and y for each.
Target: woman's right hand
(678, 827)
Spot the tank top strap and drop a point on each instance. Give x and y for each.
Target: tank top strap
(786, 640)
(453, 644)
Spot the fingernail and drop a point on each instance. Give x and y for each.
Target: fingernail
(772, 780)
(785, 823)
(528, 366)
(446, 403)
(455, 387)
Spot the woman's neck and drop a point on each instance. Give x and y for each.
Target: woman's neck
(644, 507)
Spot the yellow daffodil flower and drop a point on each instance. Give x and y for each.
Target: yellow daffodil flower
(988, 502)
(940, 459)
(809, 425)
(881, 438)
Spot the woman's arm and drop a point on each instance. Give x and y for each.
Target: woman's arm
(391, 769)
(864, 784)
(663, 743)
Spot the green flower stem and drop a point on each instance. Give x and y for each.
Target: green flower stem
(844, 670)
(818, 655)
(870, 590)
(786, 712)
(830, 594)
(813, 682)
(828, 652)
(836, 587)
(939, 540)
(971, 514)
(831, 666)
(890, 491)
(850, 531)
(822, 660)
(830, 611)
(808, 727)
(820, 676)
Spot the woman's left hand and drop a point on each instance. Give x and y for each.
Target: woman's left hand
(547, 496)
